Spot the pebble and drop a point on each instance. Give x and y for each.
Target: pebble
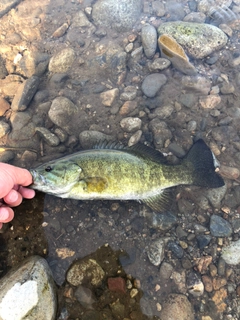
(210, 102)
(23, 291)
(163, 112)
(198, 17)
(160, 131)
(135, 138)
(50, 138)
(4, 128)
(194, 284)
(221, 267)
(158, 64)
(189, 100)
(198, 39)
(231, 253)
(85, 296)
(108, 97)
(220, 227)
(158, 8)
(25, 94)
(117, 284)
(177, 304)
(192, 126)
(129, 93)
(149, 40)
(152, 84)
(176, 250)
(207, 281)
(236, 225)
(85, 271)
(120, 16)
(128, 107)
(162, 221)
(227, 88)
(62, 61)
(155, 252)
(215, 196)
(166, 270)
(131, 124)
(203, 240)
(4, 106)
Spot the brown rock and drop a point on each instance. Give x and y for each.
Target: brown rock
(218, 299)
(203, 263)
(213, 270)
(219, 282)
(207, 281)
(229, 172)
(117, 284)
(128, 107)
(238, 290)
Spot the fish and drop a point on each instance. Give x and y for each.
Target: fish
(111, 171)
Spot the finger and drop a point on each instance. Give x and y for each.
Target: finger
(6, 214)
(10, 175)
(13, 198)
(26, 193)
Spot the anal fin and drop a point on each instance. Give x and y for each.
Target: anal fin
(161, 202)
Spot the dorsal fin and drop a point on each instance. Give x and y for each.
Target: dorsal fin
(138, 149)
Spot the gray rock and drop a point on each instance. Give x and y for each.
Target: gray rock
(130, 124)
(174, 10)
(85, 271)
(158, 8)
(89, 138)
(85, 296)
(166, 270)
(203, 240)
(163, 112)
(194, 284)
(162, 221)
(32, 64)
(135, 138)
(25, 94)
(223, 133)
(158, 64)
(198, 39)
(3, 70)
(177, 304)
(50, 138)
(4, 128)
(118, 15)
(220, 227)
(200, 85)
(149, 40)
(160, 131)
(231, 253)
(62, 61)
(10, 85)
(62, 112)
(28, 292)
(155, 252)
(199, 17)
(152, 84)
(176, 250)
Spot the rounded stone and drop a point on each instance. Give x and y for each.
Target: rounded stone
(152, 84)
(4, 128)
(130, 124)
(62, 61)
(149, 40)
(220, 227)
(198, 39)
(119, 15)
(177, 304)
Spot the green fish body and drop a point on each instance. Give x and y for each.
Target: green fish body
(118, 173)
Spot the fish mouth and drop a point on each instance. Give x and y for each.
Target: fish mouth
(37, 178)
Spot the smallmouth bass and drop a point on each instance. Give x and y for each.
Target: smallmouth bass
(114, 172)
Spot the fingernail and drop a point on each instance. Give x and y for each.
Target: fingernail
(4, 214)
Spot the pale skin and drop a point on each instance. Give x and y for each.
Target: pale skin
(13, 183)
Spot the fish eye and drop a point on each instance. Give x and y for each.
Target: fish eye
(48, 168)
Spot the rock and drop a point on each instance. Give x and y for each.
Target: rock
(50, 138)
(200, 85)
(135, 138)
(203, 240)
(61, 112)
(149, 40)
(81, 20)
(89, 138)
(108, 97)
(210, 102)
(199, 17)
(120, 16)
(223, 133)
(4, 128)
(220, 227)
(198, 39)
(176, 250)
(152, 84)
(126, 108)
(62, 61)
(195, 285)
(165, 271)
(177, 304)
(215, 196)
(130, 124)
(25, 94)
(4, 106)
(207, 281)
(117, 284)
(3, 70)
(158, 8)
(160, 131)
(32, 64)
(174, 10)
(158, 64)
(162, 221)
(28, 292)
(85, 296)
(59, 32)
(231, 253)
(163, 112)
(129, 93)
(155, 252)
(85, 271)
(227, 88)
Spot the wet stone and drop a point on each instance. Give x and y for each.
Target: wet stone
(221, 267)
(231, 253)
(158, 64)
(4, 106)
(160, 131)
(163, 221)
(85, 296)
(3, 70)
(198, 84)
(130, 124)
(62, 61)
(25, 94)
(50, 138)
(227, 88)
(176, 250)
(203, 240)
(163, 112)
(194, 284)
(223, 133)
(220, 227)
(117, 284)
(108, 97)
(155, 252)
(207, 281)
(236, 225)
(152, 84)
(215, 196)
(166, 270)
(128, 107)
(4, 128)
(135, 138)
(149, 40)
(189, 100)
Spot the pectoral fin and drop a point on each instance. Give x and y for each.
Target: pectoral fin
(95, 184)
(160, 202)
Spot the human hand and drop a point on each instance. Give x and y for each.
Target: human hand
(13, 181)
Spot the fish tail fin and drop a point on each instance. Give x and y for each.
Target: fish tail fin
(202, 162)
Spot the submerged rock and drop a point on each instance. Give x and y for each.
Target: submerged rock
(198, 39)
(28, 292)
(149, 40)
(231, 253)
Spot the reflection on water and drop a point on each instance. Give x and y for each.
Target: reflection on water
(93, 82)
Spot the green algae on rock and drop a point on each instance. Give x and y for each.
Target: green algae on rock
(198, 39)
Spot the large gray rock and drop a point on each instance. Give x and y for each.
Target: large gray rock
(62, 61)
(149, 40)
(28, 292)
(177, 306)
(198, 39)
(120, 15)
(152, 84)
